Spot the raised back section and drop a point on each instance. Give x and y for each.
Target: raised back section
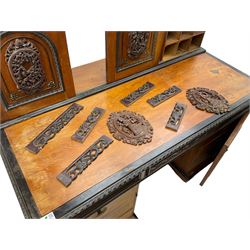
(35, 72)
(131, 52)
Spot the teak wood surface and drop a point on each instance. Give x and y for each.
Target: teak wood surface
(40, 170)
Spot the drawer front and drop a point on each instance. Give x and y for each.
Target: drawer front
(121, 207)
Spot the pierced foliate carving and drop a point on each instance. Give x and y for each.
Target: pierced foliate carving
(176, 116)
(83, 161)
(42, 139)
(130, 127)
(137, 43)
(134, 96)
(24, 65)
(81, 134)
(158, 99)
(209, 100)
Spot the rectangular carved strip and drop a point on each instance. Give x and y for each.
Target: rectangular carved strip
(83, 161)
(83, 131)
(134, 96)
(176, 116)
(156, 100)
(61, 121)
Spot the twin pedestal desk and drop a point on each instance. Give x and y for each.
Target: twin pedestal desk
(99, 178)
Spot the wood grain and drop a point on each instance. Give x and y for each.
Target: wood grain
(41, 170)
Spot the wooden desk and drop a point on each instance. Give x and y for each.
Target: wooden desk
(123, 166)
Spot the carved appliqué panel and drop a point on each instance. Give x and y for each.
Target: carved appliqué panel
(30, 68)
(137, 43)
(137, 94)
(24, 64)
(55, 127)
(176, 116)
(130, 127)
(134, 48)
(165, 95)
(83, 131)
(83, 161)
(208, 100)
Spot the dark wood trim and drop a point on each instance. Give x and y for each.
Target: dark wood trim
(18, 181)
(102, 193)
(100, 88)
(99, 195)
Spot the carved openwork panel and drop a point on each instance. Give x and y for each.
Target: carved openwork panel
(137, 94)
(209, 100)
(83, 161)
(176, 116)
(135, 48)
(55, 127)
(31, 68)
(83, 131)
(165, 95)
(130, 127)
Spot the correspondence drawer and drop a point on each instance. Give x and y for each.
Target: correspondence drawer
(122, 207)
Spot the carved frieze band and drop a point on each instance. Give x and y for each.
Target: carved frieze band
(83, 161)
(42, 139)
(209, 100)
(134, 96)
(84, 130)
(158, 99)
(176, 116)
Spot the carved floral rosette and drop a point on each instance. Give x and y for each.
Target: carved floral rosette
(209, 100)
(130, 127)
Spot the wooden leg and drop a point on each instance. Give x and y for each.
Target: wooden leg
(224, 148)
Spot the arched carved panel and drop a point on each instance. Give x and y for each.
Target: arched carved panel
(31, 68)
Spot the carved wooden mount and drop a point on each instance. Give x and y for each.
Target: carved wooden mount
(84, 130)
(130, 127)
(83, 161)
(134, 96)
(42, 139)
(176, 116)
(24, 64)
(158, 99)
(137, 43)
(209, 100)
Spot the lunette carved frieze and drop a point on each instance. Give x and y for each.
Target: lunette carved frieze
(208, 100)
(137, 94)
(158, 99)
(130, 127)
(176, 116)
(83, 161)
(42, 139)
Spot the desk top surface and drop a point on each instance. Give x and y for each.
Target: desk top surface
(41, 170)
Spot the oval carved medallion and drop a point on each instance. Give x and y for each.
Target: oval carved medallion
(24, 64)
(130, 127)
(209, 100)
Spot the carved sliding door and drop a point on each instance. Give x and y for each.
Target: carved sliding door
(131, 52)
